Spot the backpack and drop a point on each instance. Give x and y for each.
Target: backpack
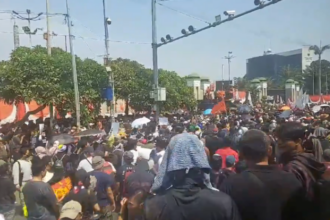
(127, 173)
(58, 164)
(321, 195)
(221, 176)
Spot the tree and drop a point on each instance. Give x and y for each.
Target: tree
(31, 74)
(319, 51)
(291, 73)
(178, 94)
(311, 77)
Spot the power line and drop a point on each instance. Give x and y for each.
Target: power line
(86, 38)
(184, 13)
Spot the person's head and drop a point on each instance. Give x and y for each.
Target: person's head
(24, 152)
(230, 161)
(265, 128)
(290, 136)
(174, 170)
(216, 162)
(89, 151)
(131, 144)
(255, 146)
(128, 157)
(71, 210)
(97, 163)
(135, 205)
(39, 167)
(4, 168)
(161, 143)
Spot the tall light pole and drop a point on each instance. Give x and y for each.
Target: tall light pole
(107, 62)
(154, 53)
(27, 29)
(74, 67)
(229, 57)
(49, 52)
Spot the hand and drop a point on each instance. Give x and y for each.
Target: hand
(123, 201)
(18, 188)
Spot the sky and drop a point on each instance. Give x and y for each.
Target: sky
(287, 25)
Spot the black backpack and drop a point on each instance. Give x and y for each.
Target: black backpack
(58, 163)
(321, 195)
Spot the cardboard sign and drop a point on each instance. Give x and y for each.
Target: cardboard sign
(163, 121)
(62, 188)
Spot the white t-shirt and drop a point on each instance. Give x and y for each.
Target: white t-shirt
(86, 164)
(161, 154)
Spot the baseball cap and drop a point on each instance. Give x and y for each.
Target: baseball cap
(71, 210)
(230, 161)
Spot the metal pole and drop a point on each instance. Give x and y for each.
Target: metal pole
(223, 69)
(154, 53)
(66, 44)
(74, 68)
(229, 67)
(49, 52)
(29, 24)
(320, 86)
(111, 105)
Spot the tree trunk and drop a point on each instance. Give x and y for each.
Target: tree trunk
(26, 116)
(126, 107)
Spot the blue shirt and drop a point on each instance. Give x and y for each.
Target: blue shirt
(104, 181)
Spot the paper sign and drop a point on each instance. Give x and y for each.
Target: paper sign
(115, 128)
(62, 188)
(163, 121)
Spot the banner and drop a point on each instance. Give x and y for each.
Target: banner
(62, 188)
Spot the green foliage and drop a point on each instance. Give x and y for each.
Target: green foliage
(133, 83)
(31, 74)
(311, 75)
(291, 73)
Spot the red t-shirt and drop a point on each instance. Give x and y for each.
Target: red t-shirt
(224, 152)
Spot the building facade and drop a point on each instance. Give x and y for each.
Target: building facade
(272, 65)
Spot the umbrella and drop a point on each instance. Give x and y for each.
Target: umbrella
(207, 112)
(63, 139)
(244, 109)
(140, 121)
(285, 114)
(89, 132)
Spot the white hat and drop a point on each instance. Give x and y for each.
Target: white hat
(71, 210)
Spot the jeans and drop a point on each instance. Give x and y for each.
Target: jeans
(9, 215)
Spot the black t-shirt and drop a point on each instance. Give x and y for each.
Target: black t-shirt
(193, 204)
(120, 175)
(40, 200)
(86, 200)
(139, 180)
(7, 194)
(266, 192)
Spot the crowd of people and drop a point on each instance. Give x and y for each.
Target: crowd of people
(226, 168)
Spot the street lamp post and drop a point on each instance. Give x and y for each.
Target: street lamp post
(74, 67)
(27, 29)
(156, 93)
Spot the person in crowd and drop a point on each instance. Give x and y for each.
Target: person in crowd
(223, 130)
(216, 164)
(105, 185)
(131, 146)
(123, 172)
(263, 191)
(227, 151)
(321, 134)
(213, 143)
(7, 192)
(83, 192)
(326, 157)
(140, 180)
(157, 154)
(303, 165)
(86, 163)
(182, 186)
(39, 197)
(22, 168)
(71, 210)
